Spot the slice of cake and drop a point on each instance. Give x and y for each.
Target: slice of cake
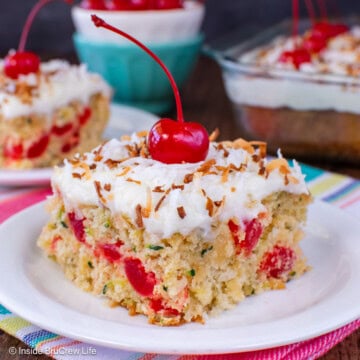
(45, 116)
(177, 242)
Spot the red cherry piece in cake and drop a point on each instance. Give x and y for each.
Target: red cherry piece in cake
(85, 116)
(142, 281)
(327, 31)
(173, 142)
(77, 226)
(253, 231)
(61, 130)
(278, 261)
(93, 4)
(54, 242)
(13, 151)
(38, 147)
(111, 252)
(168, 4)
(296, 57)
(66, 148)
(21, 63)
(157, 305)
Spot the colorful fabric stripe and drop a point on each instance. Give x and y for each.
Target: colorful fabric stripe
(339, 190)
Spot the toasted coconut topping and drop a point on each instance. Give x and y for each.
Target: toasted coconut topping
(181, 211)
(97, 185)
(214, 135)
(157, 207)
(158, 189)
(134, 181)
(280, 164)
(76, 176)
(139, 218)
(209, 206)
(188, 178)
(125, 171)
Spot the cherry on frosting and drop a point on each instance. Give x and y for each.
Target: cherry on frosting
(296, 57)
(24, 62)
(327, 30)
(314, 44)
(170, 141)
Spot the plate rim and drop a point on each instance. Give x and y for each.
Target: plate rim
(14, 307)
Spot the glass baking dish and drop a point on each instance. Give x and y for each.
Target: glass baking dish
(310, 116)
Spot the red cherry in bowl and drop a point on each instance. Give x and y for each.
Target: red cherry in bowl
(93, 4)
(139, 4)
(117, 5)
(21, 63)
(167, 4)
(172, 142)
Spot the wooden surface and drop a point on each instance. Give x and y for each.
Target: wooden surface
(205, 101)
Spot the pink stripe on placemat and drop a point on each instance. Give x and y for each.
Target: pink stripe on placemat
(304, 350)
(12, 205)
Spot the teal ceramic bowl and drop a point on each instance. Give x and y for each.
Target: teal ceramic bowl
(136, 78)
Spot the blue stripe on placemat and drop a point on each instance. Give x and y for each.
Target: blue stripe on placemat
(3, 311)
(34, 338)
(343, 191)
(311, 172)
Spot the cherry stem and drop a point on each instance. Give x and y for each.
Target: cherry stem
(102, 23)
(30, 19)
(323, 10)
(311, 10)
(295, 5)
(335, 9)
(28, 23)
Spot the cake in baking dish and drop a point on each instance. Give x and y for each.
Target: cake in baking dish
(177, 242)
(50, 114)
(300, 93)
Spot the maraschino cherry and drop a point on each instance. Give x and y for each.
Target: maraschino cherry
(93, 4)
(170, 141)
(24, 62)
(168, 4)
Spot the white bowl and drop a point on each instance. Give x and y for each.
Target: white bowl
(150, 26)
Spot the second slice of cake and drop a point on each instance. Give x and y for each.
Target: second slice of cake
(51, 114)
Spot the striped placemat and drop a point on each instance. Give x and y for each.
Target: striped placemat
(339, 190)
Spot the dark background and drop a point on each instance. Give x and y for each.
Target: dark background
(53, 28)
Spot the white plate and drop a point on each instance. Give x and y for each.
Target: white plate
(325, 298)
(123, 120)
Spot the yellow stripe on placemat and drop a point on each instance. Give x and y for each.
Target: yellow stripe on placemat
(12, 324)
(325, 183)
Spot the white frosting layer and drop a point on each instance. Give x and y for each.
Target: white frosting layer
(330, 82)
(57, 84)
(241, 193)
